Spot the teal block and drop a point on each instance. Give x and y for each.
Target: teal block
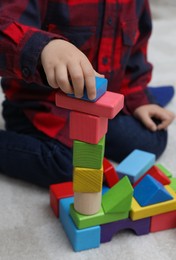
(80, 239)
(135, 165)
(101, 87)
(149, 191)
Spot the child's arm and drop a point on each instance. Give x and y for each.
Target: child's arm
(64, 63)
(147, 113)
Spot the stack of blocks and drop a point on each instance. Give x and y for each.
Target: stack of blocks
(138, 194)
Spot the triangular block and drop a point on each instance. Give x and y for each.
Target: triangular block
(150, 191)
(119, 197)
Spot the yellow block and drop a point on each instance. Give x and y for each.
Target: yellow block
(138, 212)
(87, 179)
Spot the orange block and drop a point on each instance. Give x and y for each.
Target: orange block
(109, 105)
(87, 128)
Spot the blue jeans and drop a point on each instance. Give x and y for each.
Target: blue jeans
(29, 155)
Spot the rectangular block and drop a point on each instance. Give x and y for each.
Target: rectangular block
(135, 165)
(138, 212)
(87, 179)
(88, 155)
(163, 221)
(101, 87)
(87, 128)
(80, 239)
(140, 227)
(109, 105)
(57, 192)
(110, 175)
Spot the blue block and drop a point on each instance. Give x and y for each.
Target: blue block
(101, 87)
(80, 239)
(135, 165)
(150, 191)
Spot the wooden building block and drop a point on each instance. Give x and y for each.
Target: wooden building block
(109, 105)
(135, 165)
(150, 191)
(88, 155)
(87, 203)
(163, 221)
(85, 221)
(87, 179)
(101, 87)
(140, 227)
(119, 197)
(156, 173)
(110, 175)
(173, 183)
(87, 128)
(57, 192)
(164, 170)
(84, 239)
(138, 212)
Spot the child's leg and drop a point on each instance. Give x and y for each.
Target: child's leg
(41, 162)
(125, 133)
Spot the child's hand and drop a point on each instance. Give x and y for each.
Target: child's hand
(67, 68)
(148, 112)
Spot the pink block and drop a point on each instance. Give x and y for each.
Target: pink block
(163, 221)
(87, 128)
(107, 106)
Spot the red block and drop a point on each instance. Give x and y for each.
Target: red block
(109, 105)
(87, 128)
(59, 191)
(163, 221)
(110, 174)
(157, 174)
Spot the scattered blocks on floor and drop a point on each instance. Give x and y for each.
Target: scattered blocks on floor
(138, 212)
(150, 191)
(135, 165)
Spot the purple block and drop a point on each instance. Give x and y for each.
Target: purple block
(140, 227)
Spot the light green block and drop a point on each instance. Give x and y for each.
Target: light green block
(119, 197)
(164, 170)
(83, 221)
(173, 183)
(88, 155)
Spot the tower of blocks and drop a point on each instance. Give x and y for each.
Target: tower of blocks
(138, 194)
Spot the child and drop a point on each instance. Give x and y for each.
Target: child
(46, 44)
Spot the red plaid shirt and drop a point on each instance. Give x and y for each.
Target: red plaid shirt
(112, 33)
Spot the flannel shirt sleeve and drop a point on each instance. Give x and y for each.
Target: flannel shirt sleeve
(22, 40)
(138, 71)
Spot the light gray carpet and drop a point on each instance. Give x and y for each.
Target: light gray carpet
(28, 228)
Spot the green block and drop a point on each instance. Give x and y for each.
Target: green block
(83, 221)
(87, 155)
(173, 183)
(164, 170)
(119, 197)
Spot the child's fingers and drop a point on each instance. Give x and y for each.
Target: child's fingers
(89, 78)
(61, 77)
(77, 79)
